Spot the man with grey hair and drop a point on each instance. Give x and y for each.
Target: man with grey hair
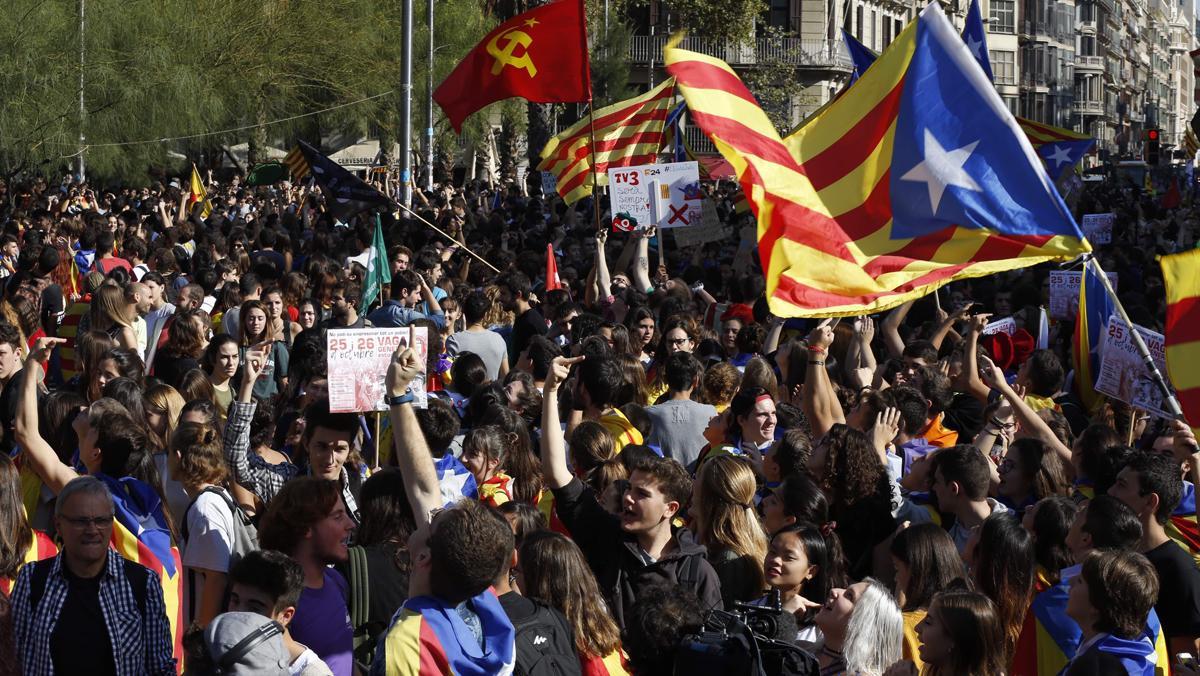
(88, 610)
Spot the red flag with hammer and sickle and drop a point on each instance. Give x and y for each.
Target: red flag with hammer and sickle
(540, 55)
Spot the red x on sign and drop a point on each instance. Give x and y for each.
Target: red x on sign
(678, 214)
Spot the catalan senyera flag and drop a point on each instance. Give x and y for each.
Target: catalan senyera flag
(198, 194)
(627, 133)
(918, 175)
(40, 547)
(141, 534)
(1181, 276)
(1095, 307)
(539, 55)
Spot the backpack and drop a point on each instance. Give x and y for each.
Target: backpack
(545, 645)
(366, 633)
(30, 287)
(245, 535)
(135, 573)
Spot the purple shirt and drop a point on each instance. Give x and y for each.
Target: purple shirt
(322, 622)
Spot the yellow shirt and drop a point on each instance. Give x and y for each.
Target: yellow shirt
(911, 647)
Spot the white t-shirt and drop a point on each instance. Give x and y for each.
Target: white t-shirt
(209, 542)
(308, 664)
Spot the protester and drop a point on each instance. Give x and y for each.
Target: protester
(926, 562)
(962, 634)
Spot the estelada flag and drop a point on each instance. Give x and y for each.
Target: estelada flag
(197, 193)
(539, 55)
(917, 176)
(1181, 339)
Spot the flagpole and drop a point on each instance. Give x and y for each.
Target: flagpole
(1172, 404)
(443, 234)
(592, 152)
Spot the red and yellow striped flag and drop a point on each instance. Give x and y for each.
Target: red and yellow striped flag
(1181, 276)
(918, 175)
(197, 193)
(627, 133)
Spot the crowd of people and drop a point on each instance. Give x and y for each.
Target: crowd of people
(623, 474)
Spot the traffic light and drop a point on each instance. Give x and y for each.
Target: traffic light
(1152, 147)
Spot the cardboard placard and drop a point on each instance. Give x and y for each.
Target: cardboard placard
(1098, 228)
(1123, 375)
(1064, 292)
(357, 362)
(1007, 325)
(666, 195)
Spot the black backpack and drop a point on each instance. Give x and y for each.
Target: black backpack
(545, 645)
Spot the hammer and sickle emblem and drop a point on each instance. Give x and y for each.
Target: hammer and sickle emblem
(504, 56)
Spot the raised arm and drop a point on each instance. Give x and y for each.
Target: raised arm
(36, 452)
(603, 277)
(555, 468)
(820, 403)
(641, 261)
(1026, 417)
(412, 453)
(891, 330)
(975, 387)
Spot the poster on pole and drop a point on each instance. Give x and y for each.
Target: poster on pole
(1098, 228)
(1064, 292)
(357, 362)
(549, 184)
(1123, 375)
(666, 195)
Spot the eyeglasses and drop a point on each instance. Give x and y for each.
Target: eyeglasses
(84, 522)
(677, 341)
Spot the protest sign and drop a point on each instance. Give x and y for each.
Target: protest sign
(1064, 292)
(1007, 325)
(357, 362)
(666, 195)
(1123, 375)
(709, 229)
(1098, 228)
(549, 184)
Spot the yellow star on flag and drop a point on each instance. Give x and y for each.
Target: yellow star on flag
(531, 22)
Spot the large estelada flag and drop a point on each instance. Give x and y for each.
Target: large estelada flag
(1059, 148)
(1181, 276)
(345, 193)
(918, 175)
(540, 55)
(627, 133)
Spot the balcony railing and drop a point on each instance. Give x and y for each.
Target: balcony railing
(795, 51)
(1087, 27)
(1090, 63)
(1089, 107)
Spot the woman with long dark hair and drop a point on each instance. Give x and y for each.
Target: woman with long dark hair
(553, 571)
(1002, 567)
(802, 568)
(221, 360)
(19, 542)
(185, 345)
(256, 330)
(846, 466)
(962, 635)
(926, 562)
(641, 325)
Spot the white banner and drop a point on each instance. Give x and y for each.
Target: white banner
(1064, 292)
(1098, 228)
(666, 195)
(1123, 375)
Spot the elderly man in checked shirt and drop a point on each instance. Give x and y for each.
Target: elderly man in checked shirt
(88, 610)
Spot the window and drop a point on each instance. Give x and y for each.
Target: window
(887, 32)
(1004, 67)
(1002, 16)
(858, 17)
(1011, 102)
(873, 40)
(780, 11)
(899, 27)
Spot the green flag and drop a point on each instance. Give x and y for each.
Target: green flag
(378, 270)
(266, 173)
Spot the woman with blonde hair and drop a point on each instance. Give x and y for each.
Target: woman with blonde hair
(552, 570)
(724, 521)
(111, 314)
(164, 405)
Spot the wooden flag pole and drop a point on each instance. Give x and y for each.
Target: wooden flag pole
(378, 419)
(1172, 403)
(592, 161)
(443, 233)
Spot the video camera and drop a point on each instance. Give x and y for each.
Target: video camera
(750, 640)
